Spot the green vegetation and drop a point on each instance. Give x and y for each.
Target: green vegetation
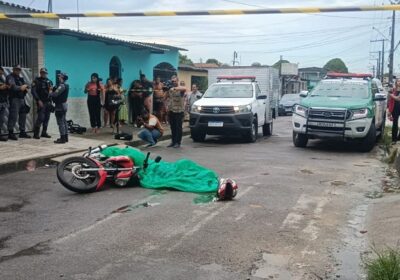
(336, 65)
(184, 59)
(386, 265)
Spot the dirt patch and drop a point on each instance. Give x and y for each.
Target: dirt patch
(306, 171)
(3, 241)
(38, 249)
(337, 183)
(14, 207)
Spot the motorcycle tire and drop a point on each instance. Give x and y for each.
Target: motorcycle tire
(88, 181)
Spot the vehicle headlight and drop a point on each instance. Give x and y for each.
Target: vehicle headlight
(196, 109)
(301, 110)
(242, 108)
(359, 114)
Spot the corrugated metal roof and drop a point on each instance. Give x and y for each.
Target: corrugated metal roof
(21, 7)
(186, 67)
(110, 41)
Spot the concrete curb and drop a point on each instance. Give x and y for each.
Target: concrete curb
(20, 165)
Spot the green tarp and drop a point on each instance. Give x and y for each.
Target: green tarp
(183, 175)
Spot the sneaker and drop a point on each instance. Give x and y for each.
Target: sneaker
(24, 135)
(177, 146)
(3, 138)
(171, 145)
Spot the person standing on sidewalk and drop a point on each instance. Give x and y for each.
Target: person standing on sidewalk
(176, 109)
(60, 98)
(394, 110)
(41, 88)
(152, 130)
(95, 101)
(3, 102)
(18, 109)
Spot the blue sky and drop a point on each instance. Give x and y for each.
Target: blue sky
(307, 39)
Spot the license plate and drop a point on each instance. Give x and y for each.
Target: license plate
(215, 124)
(325, 124)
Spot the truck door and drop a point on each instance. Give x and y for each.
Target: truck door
(378, 106)
(261, 104)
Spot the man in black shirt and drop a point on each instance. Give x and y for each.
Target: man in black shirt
(17, 89)
(41, 88)
(3, 102)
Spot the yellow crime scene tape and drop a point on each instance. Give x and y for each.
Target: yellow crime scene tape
(305, 10)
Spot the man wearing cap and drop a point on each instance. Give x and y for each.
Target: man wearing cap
(17, 89)
(3, 102)
(60, 98)
(41, 88)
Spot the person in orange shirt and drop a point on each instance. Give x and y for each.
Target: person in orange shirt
(95, 101)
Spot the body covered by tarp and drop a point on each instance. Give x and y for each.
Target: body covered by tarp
(183, 175)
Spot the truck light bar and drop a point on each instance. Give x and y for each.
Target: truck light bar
(253, 78)
(347, 75)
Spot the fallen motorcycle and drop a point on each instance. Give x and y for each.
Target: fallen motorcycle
(90, 172)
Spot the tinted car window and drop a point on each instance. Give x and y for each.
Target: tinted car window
(229, 91)
(345, 89)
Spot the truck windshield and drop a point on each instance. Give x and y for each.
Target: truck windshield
(229, 91)
(341, 89)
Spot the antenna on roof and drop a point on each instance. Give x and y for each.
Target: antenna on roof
(50, 7)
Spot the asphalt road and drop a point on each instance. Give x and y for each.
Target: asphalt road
(298, 215)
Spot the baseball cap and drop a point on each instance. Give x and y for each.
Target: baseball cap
(43, 70)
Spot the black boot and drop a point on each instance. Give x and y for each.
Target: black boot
(60, 140)
(11, 135)
(3, 138)
(36, 132)
(23, 134)
(44, 132)
(66, 138)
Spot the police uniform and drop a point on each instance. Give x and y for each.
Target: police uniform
(60, 98)
(3, 105)
(41, 87)
(18, 108)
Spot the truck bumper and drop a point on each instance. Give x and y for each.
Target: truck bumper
(354, 129)
(221, 124)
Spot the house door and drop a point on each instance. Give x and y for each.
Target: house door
(115, 67)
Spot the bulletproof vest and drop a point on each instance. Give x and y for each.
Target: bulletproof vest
(42, 88)
(19, 81)
(63, 97)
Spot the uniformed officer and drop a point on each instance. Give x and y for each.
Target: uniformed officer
(3, 102)
(60, 98)
(17, 89)
(41, 88)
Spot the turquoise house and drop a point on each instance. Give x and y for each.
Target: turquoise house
(79, 54)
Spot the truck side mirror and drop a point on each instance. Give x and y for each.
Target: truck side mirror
(303, 93)
(260, 97)
(380, 97)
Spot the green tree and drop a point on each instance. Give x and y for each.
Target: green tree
(336, 65)
(256, 64)
(213, 60)
(184, 59)
(277, 64)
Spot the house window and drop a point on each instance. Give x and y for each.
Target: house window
(17, 50)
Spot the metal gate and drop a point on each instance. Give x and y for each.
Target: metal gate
(27, 75)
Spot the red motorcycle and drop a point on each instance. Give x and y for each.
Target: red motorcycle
(90, 172)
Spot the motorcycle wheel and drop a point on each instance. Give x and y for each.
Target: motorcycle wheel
(69, 175)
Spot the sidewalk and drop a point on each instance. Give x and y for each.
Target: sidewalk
(31, 153)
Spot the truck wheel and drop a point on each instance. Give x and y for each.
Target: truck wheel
(198, 136)
(251, 136)
(300, 140)
(368, 142)
(267, 129)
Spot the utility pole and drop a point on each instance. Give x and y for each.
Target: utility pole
(382, 68)
(378, 66)
(391, 54)
(50, 7)
(235, 56)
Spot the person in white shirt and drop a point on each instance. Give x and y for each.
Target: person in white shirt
(152, 130)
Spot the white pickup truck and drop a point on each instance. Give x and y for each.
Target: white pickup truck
(234, 105)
